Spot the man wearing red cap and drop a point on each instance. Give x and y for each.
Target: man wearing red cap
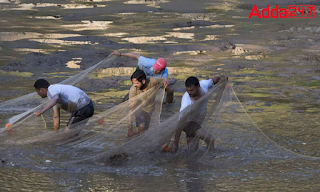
(153, 68)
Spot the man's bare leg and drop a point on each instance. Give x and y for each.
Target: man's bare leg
(169, 98)
(141, 127)
(207, 137)
(193, 144)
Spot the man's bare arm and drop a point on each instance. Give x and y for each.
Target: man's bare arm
(56, 119)
(133, 55)
(170, 81)
(49, 105)
(175, 144)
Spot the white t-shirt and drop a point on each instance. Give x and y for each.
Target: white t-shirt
(186, 101)
(70, 98)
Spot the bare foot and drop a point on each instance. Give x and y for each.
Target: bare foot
(130, 133)
(210, 146)
(67, 129)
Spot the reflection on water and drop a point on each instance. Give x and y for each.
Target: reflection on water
(33, 6)
(189, 52)
(60, 35)
(127, 13)
(80, 6)
(73, 64)
(115, 34)
(182, 28)
(155, 2)
(64, 42)
(24, 6)
(178, 175)
(144, 39)
(27, 180)
(217, 26)
(156, 39)
(13, 36)
(170, 42)
(180, 35)
(44, 17)
(211, 37)
(89, 25)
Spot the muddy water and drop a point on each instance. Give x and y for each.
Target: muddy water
(273, 66)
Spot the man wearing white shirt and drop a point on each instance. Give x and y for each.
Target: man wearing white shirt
(67, 97)
(194, 91)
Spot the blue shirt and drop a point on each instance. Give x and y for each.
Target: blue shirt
(146, 64)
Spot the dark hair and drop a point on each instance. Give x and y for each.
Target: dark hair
(192, 81)
(139, 75)
(41, 83)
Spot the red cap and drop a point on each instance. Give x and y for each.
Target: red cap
(160, 64)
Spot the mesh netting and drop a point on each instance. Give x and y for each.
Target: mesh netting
(104, 137)
(24, 107)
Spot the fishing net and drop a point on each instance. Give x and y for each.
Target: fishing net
(104, 137)
(19, 111)
(237, 138)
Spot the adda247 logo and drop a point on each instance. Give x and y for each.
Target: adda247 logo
(293, 11)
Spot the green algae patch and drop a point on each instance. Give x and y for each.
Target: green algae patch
(16, 73)
(315, 83)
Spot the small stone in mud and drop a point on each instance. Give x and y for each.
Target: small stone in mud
(118, 158)
(268, 104)
(297, 111)
(48, 161)
(243, 179)
(315, 77)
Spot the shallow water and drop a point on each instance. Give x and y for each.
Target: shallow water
(172, 177)
(274, 70)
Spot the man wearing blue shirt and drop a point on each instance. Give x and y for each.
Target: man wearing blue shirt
(152, 68)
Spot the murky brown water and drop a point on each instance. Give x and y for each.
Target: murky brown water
(273, 66)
